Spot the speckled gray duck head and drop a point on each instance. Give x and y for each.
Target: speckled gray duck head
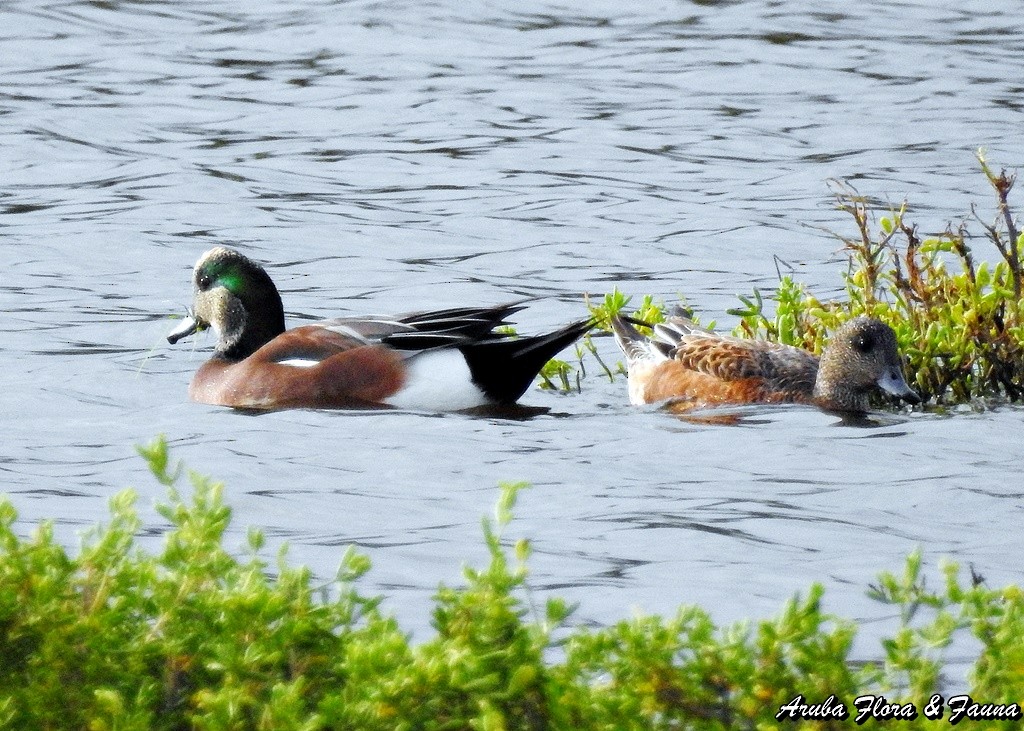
(861, 356)
(236, 297)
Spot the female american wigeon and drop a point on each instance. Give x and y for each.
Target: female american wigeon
(445, 360)
(696, 368)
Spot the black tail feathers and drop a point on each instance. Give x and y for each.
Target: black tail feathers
(505, 368)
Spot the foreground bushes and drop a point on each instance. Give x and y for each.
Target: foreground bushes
(195, 638)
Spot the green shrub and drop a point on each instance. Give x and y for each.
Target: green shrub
(115, 638)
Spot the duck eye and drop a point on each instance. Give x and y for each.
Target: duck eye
(863, 342)
(204, 281)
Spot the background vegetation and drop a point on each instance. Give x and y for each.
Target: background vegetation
(959, 323)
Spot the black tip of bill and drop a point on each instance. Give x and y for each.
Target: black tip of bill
(188, 326)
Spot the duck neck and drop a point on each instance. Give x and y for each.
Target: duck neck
(830, 394)
(252, 327)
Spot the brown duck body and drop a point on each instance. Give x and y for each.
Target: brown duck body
(342, 372)
(696, 368)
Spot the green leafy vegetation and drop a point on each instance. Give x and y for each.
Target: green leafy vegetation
(192, 637)
(959, 323)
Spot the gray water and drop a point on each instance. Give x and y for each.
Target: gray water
(389, 156)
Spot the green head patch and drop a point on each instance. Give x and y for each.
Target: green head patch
(226, 274)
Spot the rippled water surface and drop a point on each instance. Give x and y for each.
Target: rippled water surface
(388, 156)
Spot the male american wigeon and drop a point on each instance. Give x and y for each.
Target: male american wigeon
(696, 368)
(446, 360)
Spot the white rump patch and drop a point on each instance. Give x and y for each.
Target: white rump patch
(438, 380)
(299, 362)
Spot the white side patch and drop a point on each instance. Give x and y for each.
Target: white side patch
(299, 362)
(438, 380)
(347, 332)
